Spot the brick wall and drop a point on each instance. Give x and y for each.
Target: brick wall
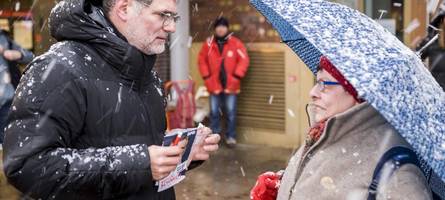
(245, 22)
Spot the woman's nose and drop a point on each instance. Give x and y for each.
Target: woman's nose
(315, 92)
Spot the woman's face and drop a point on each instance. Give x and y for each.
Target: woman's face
(331, 100)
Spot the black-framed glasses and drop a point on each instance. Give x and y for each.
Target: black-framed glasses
(322, 84)
(168, 18)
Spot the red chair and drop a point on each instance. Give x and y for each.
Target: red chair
(181, 104)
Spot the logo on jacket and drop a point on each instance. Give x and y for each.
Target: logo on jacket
(230, 54)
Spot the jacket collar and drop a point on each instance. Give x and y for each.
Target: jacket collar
(80, 21)
(360, 118)
(214, 45)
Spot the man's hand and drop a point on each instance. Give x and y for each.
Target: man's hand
(12, 55)
(164, 160)
(209, 145)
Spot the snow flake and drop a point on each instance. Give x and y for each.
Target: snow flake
(240, 53)
(242, 171)
(397, 4)
(382, 12)
(174, 42)
(48, 70)
(438, 155)
(88, 57)
(443, 146)
(17, 6)
(270, 99)
(291, 112)
(328, 183)
(413, 25)
(119, 100)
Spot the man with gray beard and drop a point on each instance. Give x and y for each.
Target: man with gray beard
(88, 118)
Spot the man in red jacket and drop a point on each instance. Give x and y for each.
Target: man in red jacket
(223, 62)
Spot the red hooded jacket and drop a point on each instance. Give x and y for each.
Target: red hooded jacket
(236, 62)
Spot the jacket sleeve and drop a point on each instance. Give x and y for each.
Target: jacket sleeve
(203, 61)
(406, 182)
(27, 56)
(43, 124)
(243, 60)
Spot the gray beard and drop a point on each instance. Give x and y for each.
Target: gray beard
(154, 49)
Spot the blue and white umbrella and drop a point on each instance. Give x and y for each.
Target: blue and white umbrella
(385, 72)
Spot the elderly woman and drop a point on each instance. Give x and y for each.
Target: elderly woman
(341, 151)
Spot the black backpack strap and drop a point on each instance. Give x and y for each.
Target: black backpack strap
(394, 158)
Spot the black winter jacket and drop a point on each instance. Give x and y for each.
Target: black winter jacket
(84, 115)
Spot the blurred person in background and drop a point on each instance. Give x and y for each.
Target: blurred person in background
(223, 62)
(11, 54)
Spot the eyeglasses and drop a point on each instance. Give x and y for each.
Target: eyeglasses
(168, 18)
(322, 84)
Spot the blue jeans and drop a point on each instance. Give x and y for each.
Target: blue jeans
(229, 102)
(4, 112)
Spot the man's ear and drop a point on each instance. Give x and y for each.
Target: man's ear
(121, 9)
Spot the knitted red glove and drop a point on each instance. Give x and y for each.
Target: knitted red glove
(266, 186)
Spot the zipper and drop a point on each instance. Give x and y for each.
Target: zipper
(140, 92)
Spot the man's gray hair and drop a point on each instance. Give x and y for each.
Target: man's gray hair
(107, 5)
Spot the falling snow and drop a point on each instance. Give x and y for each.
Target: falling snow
(88, 57)
(413, 25)
(291, 112)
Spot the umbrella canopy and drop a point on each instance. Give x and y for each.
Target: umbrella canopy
(385, 72)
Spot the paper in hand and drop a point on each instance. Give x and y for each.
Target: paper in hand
(195, 138)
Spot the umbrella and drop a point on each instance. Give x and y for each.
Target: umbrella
(389, 75)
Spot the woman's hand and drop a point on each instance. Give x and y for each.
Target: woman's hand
(266, 186)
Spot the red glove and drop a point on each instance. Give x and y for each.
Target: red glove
(266, 186)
